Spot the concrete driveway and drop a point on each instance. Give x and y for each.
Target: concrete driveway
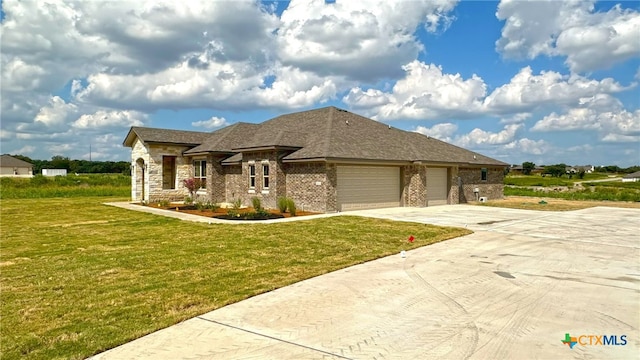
(511, 290)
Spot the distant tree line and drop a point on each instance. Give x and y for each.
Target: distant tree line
(617, 169)
(558, 170)
(78, 166)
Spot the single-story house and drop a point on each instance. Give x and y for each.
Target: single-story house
(578, 168)
(10, 166)
(519, 169)
(633, 177)
(326, 160)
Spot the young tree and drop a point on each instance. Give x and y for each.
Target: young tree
(556, 170)
(527, 167)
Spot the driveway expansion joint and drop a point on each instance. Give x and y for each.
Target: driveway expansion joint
(273, 338)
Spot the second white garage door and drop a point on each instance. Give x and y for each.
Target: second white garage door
(368, 187)
(436, 186)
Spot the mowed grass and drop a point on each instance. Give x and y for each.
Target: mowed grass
(79, 277)
(72, 185)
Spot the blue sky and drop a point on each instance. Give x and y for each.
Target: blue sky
(541, 81)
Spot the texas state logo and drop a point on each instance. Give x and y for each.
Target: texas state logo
(593, 340)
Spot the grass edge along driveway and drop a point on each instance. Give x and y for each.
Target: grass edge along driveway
(79, 277)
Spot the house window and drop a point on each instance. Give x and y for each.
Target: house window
(200, 172)
(168, 172)
(265, 176)
(252, 176)
(484, 174)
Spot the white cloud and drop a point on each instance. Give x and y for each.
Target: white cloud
(601, 113)
(475, 138)
(424, 93)
(526, 92)
(590, 41)
(444, 131)
(527, 146)
(478, 137)
(57, 113)
(515, 119)
(27, 149)
(109, 119)
(339, 39)
(59, 149)
(212, 123)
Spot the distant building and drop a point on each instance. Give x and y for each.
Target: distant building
(54, 172)
(519, 169)
(633, 177)
(10, 166)
(588, 169)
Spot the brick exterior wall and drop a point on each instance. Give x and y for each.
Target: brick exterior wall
(454, 187)
(312, 186)
(492, 188)
(234, 182)
(414, 185)
(216, 180)
(331, 189)
(308, 186)
(237, 179)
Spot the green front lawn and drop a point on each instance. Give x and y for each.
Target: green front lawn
(78, 277)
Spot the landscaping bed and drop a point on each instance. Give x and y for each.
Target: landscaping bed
(245, 213)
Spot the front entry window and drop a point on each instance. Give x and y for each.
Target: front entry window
(200, 172)
(168, 172)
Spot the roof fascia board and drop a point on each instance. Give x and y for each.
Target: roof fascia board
(349, 161)
(266, 147)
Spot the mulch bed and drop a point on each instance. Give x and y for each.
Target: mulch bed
(223, 213)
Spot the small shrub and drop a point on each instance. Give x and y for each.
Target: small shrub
(163, 203)
(200, 206)
(237, 204)
(192, 185)
(39, 180)
(188, 200)
(212, 206)
(291, 206)
(234, 210)
(282, 204)
(257, 204)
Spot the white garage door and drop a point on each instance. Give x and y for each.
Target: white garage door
(368, 187)
(436, 186)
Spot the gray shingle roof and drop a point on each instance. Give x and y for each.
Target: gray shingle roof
(10, 161)
(327, 134)
(225, 139)
(153, 135)
(632, 175)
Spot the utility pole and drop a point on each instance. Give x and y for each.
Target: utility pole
(89, 152)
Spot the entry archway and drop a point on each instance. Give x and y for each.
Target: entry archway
(139, 180)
